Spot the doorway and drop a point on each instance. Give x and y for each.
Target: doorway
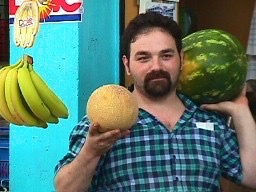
(4, 125)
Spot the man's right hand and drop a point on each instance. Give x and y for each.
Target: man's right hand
(98, 143)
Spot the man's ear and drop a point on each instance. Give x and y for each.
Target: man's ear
(126, 65)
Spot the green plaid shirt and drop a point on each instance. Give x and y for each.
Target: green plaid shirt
(190, 158)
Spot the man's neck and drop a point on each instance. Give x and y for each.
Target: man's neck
(167, 109)
(168, 103)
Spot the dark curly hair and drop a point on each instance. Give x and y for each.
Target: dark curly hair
(145, 22)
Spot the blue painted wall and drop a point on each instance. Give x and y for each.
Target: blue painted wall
(74, 59)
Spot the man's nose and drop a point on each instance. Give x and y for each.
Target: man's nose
(156, 63)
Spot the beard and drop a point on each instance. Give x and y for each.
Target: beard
(158, 84)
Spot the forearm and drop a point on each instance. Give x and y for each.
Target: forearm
(246, 133)
(77, 175)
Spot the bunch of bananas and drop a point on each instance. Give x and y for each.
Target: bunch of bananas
(25, 98)
(26, 23)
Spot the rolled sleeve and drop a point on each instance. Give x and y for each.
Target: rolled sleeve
(76, 141)
(231, 162)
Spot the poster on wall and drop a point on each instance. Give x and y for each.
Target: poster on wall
(52, 11)
(167, 8)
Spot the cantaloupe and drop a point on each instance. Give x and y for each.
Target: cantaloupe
(112, 107)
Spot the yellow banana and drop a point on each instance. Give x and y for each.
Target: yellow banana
(32, 28)
(50, 99)
(16, 102)
(8, 94)
(26, 23)
(4, 110)
(36, 16)
(30, 36)
(30, 94)
(53, 119)
(23, 27)
(17, 25)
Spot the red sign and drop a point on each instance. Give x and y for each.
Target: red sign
(54, 8)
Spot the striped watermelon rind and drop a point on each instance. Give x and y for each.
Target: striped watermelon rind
(215, 66)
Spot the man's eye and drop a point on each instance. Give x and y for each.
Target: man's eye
(143, 58)
(167, 56)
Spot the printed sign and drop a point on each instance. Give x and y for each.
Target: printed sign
(53, 10)
(167, 7)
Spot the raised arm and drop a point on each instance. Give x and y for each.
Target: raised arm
(245, 128)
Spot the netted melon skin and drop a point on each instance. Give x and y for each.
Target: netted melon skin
(112, 107)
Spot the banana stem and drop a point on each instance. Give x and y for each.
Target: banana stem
(28, 59)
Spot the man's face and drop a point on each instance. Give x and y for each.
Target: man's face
(154, 63)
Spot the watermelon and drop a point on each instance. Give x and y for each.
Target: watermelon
(215, 66)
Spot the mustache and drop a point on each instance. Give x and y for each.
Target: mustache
(156, 75)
